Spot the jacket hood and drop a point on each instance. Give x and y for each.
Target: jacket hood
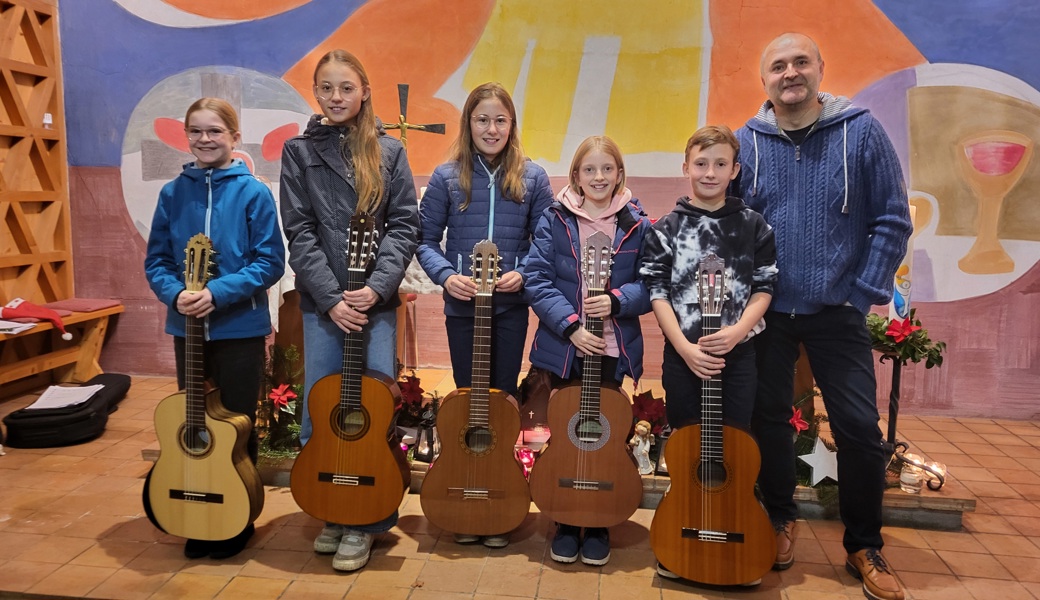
(835, 110)
(237, 168)
(684, 206)
(575, 203)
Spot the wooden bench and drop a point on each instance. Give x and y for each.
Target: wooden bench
(40, 352)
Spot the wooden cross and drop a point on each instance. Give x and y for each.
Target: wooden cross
(403, 124)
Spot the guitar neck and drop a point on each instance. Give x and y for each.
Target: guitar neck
(711, 403)
(194, 374)
(592, 366)
(481, 382)
(353, 355)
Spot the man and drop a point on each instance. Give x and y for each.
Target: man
(826, 177)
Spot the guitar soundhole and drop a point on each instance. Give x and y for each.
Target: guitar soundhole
(711, 474)
(196, 441)
(480, 440)
(588, 433)
(349, 425)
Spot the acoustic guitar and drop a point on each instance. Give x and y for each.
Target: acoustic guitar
(203, 485)
(476, 486)
(352, 470)
(586, 475)
(710, 527)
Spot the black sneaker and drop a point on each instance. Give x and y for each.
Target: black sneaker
(228, 548)
(565, 544)
(595, 547)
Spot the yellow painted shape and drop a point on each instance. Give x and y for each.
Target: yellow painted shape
(655, 93)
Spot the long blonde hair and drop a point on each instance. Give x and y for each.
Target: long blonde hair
(362, 139)
(510, 160)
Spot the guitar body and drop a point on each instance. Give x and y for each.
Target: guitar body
(211, 492)
(587, 483)
(352, 471)
(715, 502)
(476, 486)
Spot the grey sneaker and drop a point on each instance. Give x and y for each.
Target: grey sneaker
(327, 541)
(354, 550)
(465, 538)
(496, 541)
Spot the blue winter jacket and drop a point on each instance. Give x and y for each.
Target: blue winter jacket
(238, 214)
(552, 286)
(513, 225)
(837, 203)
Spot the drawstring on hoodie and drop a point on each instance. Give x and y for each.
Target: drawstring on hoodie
(754, 184)
(845, 164)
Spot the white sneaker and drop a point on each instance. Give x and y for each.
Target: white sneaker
(465, 538)
(496, 541)
(327, 541)
(354, 550)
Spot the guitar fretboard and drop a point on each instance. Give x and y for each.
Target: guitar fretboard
(591, 375)
(481, 383)
(194, 374)
(711, 402)
(353, 359)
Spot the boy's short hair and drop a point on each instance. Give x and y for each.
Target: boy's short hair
(709, 135)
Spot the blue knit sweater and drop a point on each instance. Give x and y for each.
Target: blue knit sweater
(837, 204)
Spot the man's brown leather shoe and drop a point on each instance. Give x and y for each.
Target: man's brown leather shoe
(879, 583)
(785, 536)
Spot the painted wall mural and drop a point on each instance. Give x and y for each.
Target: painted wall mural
(955, 86)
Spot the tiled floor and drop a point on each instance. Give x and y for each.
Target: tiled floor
(71, 525)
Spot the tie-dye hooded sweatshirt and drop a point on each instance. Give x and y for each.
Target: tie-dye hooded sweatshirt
(679, 241)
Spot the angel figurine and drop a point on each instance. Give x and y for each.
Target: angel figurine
(641, 441)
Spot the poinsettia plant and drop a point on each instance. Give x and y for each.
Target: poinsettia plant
(904, 340)
(647, 408)
(280, 410)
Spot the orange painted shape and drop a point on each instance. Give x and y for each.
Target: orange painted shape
(237, 10)
(421, 43)
(171, 132)
(271, 148)
(858, 43)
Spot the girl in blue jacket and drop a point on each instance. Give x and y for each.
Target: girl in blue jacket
(487, 191)
(218, 196)
(596, 200)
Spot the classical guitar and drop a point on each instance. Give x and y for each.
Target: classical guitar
(203, 486)
(710, 527)
(586, 475)
(352, 470)
(476, 486)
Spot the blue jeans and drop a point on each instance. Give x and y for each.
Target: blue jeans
(838, 347)
(323, 355)
(682, 388)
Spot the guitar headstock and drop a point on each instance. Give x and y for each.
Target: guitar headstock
(485, 267)
(198, 261)
(711, 285)
(361, 242)
(596, 261)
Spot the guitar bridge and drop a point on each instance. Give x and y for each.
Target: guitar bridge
(589, 485)
(351, 480)
(705, 535)
(470, 493)
(202, 497)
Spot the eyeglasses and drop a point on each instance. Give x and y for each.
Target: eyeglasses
(214, 133)
(484, 121)
(326, 91)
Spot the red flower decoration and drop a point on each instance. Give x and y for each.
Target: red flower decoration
(900, 330)
(798, 422)
(411, 393)
(281, 395)
(647, 408)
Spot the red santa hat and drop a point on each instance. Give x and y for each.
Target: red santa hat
(19, 308)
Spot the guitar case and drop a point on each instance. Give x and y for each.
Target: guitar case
(68, 425)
